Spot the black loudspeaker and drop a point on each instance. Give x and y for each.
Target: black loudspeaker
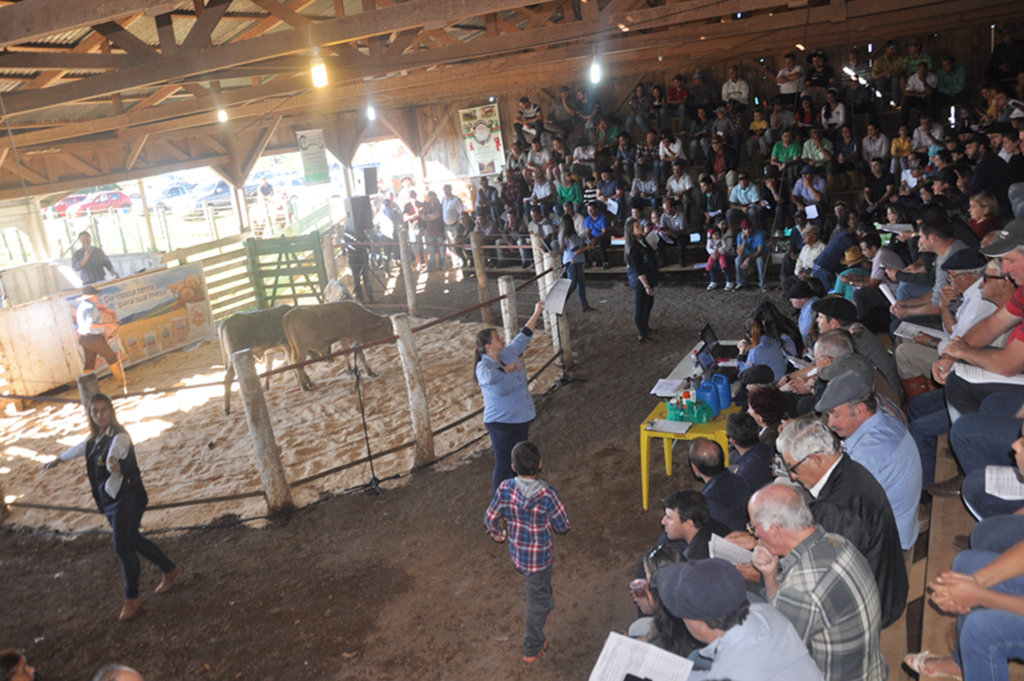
(359, 214)
(370, 180)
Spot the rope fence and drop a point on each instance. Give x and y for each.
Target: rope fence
(543, 278)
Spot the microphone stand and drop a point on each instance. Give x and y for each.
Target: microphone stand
(373, 486)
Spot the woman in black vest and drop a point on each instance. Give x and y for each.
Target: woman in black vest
(642, 272)
(117, 488)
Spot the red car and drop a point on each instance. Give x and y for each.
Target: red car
(101, 202)
(62, 206)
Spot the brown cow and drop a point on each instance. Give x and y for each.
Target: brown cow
(318, 326)
(262, 331)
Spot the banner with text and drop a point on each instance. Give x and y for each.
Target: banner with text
(481, 134)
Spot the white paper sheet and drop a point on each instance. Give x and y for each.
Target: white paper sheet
(910, 330)
(1004, 482)
(897, 229)
(812, 211)
(622, 655)
(666, 387)
(674, 427)
(887, 292)
(613, 206)
(653, 238)
(798, 362)
(555, 299)
(721, 548)
(973, 374)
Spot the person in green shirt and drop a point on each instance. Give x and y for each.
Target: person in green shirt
(569, 191)
(916, 57)
(855, 271)
(786, 156)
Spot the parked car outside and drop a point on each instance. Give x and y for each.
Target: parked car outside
(61, 207)
(101, 202)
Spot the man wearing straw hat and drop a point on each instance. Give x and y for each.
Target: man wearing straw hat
(93, 331)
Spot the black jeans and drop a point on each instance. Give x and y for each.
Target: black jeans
(505, 436)
(129, 543)
(642, 306)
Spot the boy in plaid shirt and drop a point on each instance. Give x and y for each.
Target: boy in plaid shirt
(531, 509)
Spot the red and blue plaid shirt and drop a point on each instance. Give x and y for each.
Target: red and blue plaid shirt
(530, 521)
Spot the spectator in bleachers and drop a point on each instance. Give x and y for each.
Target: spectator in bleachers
(487, 200)
(868, 296)
(818, 151)
(919, 93)
(900, 150)
(721, 252)
(584, 160)
(726, 492)
(610, 189)
(736, 90)
(625, 155)
(984, 210)
(647, 155)
(644, 191)
(722, 126)
(833, 114)
(587, 113)
(773, 202)
(606, 136)
(544, 194)
(569, 191)
(721, 163)
(951, 90)
(856, 71)
(874, 145)
(929, 138)
(688, 524)
(529, 120)
(989, 172)
(819, 77)
(673, 229)
(700, 133)
(670, 150)
(639, 111)
(938, 237)
(745, 202)
(765, 403)
(675, 102)
(734, 113)
(599, 232)
(712, 201)
(847, 150)
(753, 461)
(514, 190)
(828, 265)
(878, 188)
(756, 137)
(786, 156)
(1007, 56)
(751, 250)
(516, 159)
(806, 116)
(659, 110)
(538, 159)
(780, 119)
(679, 186)
(703, 93)
(997, 132)
(1012, 149)
(854, 270)
(558, 156)
(804, 262)
(886, 71)
(561, 118)
(810, 190)
(790, 81)
(802, 296)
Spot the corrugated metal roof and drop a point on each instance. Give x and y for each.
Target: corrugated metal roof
(66, 112)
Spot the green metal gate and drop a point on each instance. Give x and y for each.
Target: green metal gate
(287, 269)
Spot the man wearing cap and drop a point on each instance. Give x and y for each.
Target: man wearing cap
(853, 261)
(90, 263)
(712, 201)
(886, 71)
(821, 583)
(745, 202)
(801, 297)
(919, 93)
(834, 312)
(937, 236)
(965, 397)
(810, 189)
(848, 501)
(878, 442)
(819, 77)
(726, 492)
(989, 172)
(744, 642)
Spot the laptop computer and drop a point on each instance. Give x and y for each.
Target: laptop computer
(718, 350)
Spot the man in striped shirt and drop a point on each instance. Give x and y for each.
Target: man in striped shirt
(822, 584)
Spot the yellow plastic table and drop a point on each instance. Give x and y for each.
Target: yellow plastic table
(713, 430)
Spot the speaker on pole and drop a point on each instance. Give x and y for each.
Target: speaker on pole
(370, 180)
(359, 214)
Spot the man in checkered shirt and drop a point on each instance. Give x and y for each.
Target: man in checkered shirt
(822, 584)
(530, 509)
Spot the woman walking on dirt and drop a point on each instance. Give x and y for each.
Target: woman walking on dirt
(508, 405)
(117, 488)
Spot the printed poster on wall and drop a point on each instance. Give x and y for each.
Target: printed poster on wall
(481, 134)
(314, 156)
(156, 312)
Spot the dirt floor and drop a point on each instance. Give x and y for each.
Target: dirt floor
(406, 585)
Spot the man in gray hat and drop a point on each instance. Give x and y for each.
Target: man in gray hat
(965, 397)
(744, 642)
(877, 441)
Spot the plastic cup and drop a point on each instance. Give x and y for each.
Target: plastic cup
(638, 587)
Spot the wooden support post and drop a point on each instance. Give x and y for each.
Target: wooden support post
(149, 218)
(268, 459)
(408, 276)
(542, 284)
(236, 206)
(509, 311)
(211, 219)
(480, 266)
(419, 409)
(4, 512)
(330, 263)
(88, 385)
(561, 338)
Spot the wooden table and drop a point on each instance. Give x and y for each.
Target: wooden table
(713, 430)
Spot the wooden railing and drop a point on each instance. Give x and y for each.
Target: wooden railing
(227, 275)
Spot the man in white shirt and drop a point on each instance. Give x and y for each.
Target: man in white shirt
(868, 295)
(451, 208)
(919, 94)
(736, 90)
(790, 81)
(538, 159)
(929, 137)
(874, 145)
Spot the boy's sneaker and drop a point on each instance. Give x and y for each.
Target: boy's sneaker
(737, 287)
(729, 286)
(530, 659)
(713, 285)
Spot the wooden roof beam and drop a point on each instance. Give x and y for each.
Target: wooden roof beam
(27, 21)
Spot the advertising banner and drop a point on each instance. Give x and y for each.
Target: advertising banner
(481, 134)
(314, 156)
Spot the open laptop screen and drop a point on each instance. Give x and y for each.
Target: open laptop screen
(706, 360)
(709, 337)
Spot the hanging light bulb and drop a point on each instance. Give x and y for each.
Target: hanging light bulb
(595, 71)
(318, 69)
(800, 46)
(222, 116)
(371, 113)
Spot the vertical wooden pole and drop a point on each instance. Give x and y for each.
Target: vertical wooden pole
(542, 283)
(268, 460)
(330, 263)
(4, 512)
(149, 218)
(509, 311)
(408, 277)
(88, 385)
(561, 338)
(550, 318)
(415, 384)
(476, 239)
(237, 208)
